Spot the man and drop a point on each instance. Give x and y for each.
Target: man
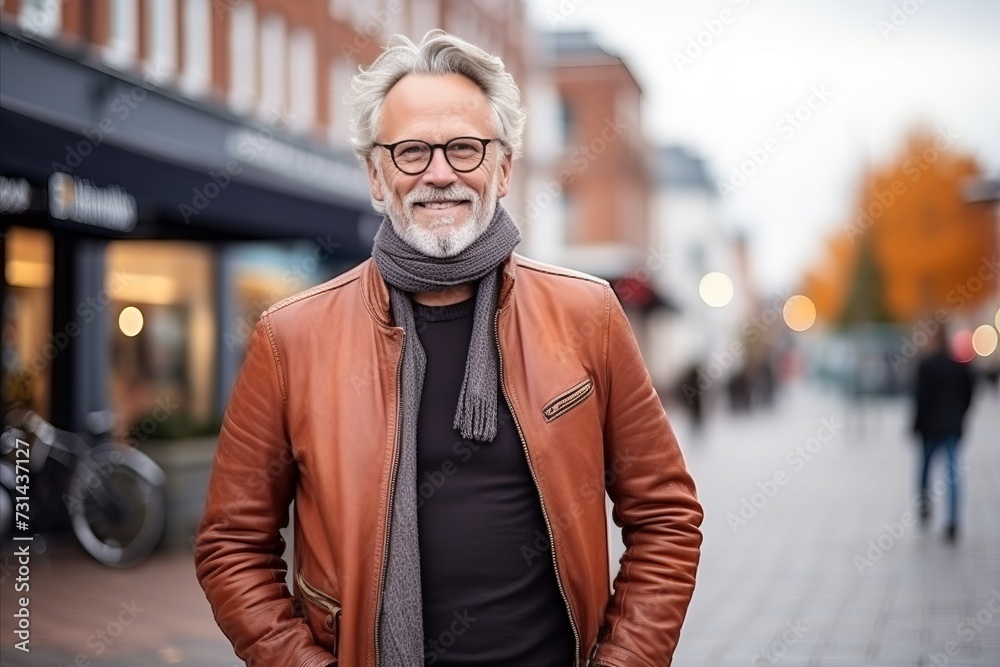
(447, 417)
(943, 394)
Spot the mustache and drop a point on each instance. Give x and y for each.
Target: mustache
(451, 193)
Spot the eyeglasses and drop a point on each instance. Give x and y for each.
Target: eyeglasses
(413, 157)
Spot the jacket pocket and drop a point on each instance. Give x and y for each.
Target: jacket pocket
(322, 613)
(568, 400)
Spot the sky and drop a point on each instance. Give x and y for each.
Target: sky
(855, 75)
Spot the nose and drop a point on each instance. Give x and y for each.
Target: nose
(439, 173)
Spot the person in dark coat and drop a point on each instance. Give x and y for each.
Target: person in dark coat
(944, 388)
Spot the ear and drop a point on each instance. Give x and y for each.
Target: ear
(374, 183)
(503, 183)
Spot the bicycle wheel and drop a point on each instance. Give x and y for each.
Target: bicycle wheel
(118, 513)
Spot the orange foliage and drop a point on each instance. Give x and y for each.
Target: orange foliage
(827, 284)
(928, 242)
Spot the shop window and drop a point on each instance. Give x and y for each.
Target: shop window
(162, 337)
(29, 344)
(265, 273)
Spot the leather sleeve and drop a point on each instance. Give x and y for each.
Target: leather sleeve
(656, 507)
(238, 552)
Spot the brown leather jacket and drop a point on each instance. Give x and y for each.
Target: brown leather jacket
(314, 418)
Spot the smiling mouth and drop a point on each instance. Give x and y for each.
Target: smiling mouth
(440, 205)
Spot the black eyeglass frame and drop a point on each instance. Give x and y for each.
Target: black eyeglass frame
(444, 150)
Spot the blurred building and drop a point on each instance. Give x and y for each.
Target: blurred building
(693, 242)
(589, 204)
(168, 169)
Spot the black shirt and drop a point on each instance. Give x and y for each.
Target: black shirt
(490, 595)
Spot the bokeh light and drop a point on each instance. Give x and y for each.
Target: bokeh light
(799, 312)
(716, 289)
(130, 321)
(996, 319)
(961, 346)
(984, 340)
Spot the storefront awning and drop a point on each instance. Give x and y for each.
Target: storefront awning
(173, 200)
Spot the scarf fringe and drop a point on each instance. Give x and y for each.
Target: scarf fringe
(476, 417)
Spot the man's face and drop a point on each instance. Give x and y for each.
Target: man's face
(441, 211)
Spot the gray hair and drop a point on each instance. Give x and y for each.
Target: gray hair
(438, 53)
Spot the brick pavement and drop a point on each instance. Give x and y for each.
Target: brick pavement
(831, 570)
(86, 614)
(784, 588)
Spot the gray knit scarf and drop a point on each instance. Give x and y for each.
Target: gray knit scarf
(405, 271)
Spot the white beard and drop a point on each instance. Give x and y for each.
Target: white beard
(444, 237)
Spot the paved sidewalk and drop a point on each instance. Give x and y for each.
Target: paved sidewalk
(813, 552)
(822, 567)
(83, 614)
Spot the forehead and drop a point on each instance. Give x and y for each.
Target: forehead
(434, 107)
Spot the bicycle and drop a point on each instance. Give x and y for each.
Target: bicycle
(113, 494)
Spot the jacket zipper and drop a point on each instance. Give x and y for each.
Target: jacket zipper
(568, 400)
(392, 493)
(541, 499)
(319, 598)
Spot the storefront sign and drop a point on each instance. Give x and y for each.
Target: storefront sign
(78, 200)
(264, 149)
(15, 195)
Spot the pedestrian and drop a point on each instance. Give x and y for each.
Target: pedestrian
(447, 417)
(693, 393)
(943, 392)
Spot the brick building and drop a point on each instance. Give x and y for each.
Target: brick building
(189, 159)
(598, 174)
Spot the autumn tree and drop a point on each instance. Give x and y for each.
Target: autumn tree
(913, 244)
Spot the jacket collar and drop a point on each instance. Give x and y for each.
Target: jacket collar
(376, 293)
